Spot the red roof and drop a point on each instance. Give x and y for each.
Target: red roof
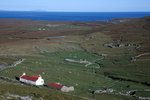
(31, 78)
(55, 85)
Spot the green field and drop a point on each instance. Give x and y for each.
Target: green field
(123, 67)
(54, 68)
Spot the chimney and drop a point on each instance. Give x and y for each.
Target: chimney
(23, 74)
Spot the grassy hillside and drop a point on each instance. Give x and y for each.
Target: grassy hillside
(104, 61)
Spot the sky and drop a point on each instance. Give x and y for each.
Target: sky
(77, 5)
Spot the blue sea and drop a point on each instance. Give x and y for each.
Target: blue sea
(71, 16)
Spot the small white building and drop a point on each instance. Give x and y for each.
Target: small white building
(33, 80)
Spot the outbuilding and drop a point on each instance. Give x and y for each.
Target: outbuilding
(55, 85)
(61, 87)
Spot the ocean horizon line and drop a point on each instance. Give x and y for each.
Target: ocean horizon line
(75, 11)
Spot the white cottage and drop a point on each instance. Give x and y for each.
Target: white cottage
(33, 80)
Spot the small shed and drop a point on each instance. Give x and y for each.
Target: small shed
(61, 87)
(55, 85)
